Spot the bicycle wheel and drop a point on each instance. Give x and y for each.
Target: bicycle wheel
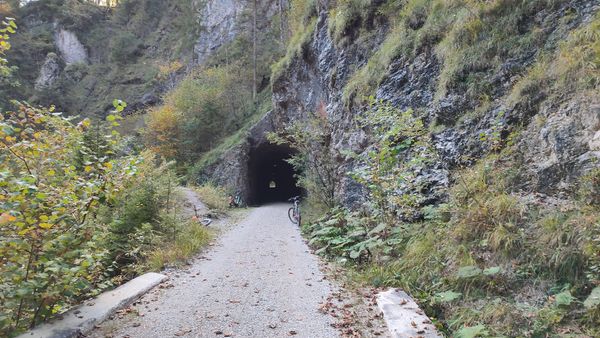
(239, 202)
(292, 216)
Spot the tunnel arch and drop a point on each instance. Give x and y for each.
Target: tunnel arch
(270, 177)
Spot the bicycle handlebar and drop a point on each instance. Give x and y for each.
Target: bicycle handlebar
(294, 199)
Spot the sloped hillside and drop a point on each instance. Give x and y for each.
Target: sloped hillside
(458, 141)
(80, 57)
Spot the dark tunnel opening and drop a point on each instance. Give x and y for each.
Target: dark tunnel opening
(270, 176)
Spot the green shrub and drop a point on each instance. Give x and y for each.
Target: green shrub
(589, 188)
(494, 247)
(311, 141)
(51, 241)
(206, 107)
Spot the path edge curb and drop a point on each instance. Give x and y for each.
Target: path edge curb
(403, 317)
(82, 319)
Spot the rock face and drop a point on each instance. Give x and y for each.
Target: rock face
(559, 138)
(220, 22)
(69, 46)
(219, 26)
(562, 144)
(49, 72)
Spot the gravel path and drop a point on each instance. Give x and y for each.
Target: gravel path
(192, 201)
(258, 280)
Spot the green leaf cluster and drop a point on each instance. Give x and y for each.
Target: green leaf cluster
(64, 192)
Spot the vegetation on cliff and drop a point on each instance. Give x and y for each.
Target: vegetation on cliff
(493, 257)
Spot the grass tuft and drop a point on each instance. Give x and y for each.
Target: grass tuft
(214, 197)
(191, 238)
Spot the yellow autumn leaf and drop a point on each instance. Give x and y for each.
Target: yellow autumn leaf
(108, 165)
(45, 225)
(37, 135)
(87, 168)
(24, 231)
(43, 218)
(6, 217)
(51, 172)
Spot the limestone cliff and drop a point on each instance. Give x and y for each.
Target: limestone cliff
(557, 128)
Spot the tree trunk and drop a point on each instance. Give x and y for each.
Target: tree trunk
(254, 54)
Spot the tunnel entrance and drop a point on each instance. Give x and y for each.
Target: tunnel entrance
(270, 177)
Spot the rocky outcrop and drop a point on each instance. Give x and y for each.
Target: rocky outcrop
(49, 73)
(71, 49)
(558, 138)
(562, 143)
(221, 21)
(219, 26)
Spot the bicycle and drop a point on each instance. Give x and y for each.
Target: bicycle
(294, 212)
(236, 201)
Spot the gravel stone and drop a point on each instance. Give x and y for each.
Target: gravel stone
(259, 272)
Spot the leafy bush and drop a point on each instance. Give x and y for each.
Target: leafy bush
(49, 239)
(7, 79)
(390, 169)
(589, 188)
(76, 217)
(208, 105)
(135, 217)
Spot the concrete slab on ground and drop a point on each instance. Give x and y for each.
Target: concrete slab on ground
(403, 316)
(83, 318)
